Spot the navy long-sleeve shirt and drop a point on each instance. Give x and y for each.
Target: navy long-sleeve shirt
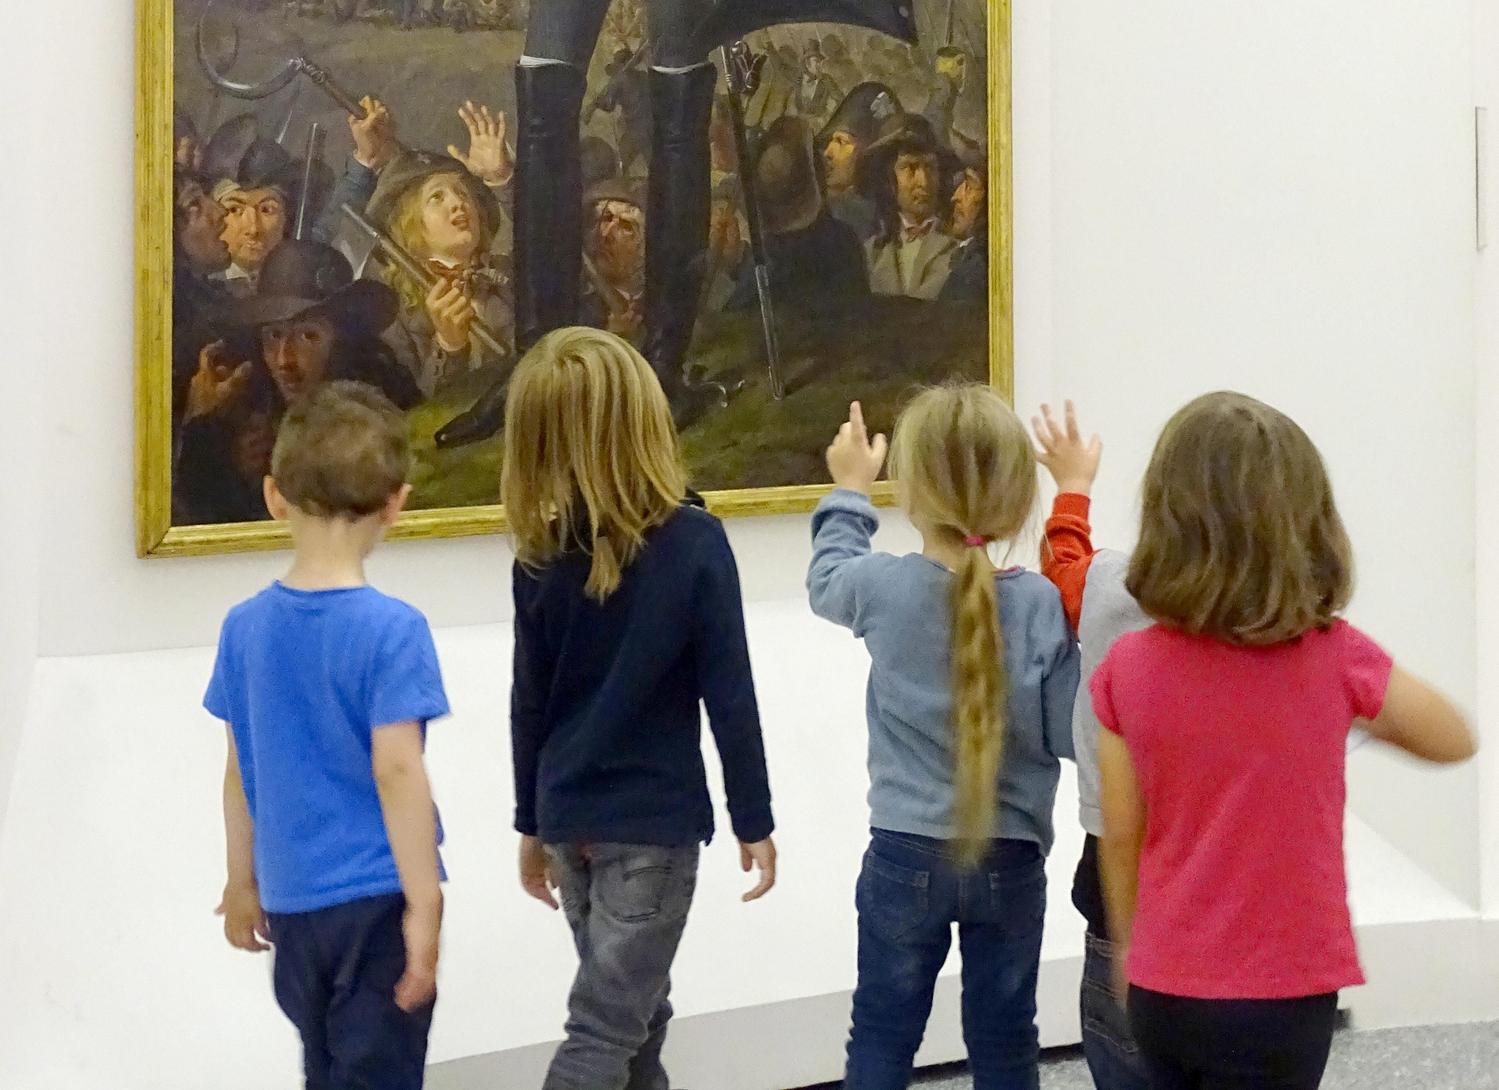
(605, 720)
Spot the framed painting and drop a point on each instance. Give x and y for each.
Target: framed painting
(785, 204)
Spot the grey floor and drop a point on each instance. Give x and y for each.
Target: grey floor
(1438, 1058)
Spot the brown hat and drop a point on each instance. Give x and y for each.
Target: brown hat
(613, 189)
(903, 134)
(302, 276)
(412, 168)
(784, 176)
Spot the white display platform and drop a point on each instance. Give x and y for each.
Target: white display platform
(117, 975)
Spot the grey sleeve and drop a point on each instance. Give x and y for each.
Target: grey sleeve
(1059, 684)
(838, 579)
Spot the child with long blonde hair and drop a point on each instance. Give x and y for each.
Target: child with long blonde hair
(970, 711)
(627, 616)
(1223, 751)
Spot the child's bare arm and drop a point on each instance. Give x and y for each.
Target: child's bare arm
(1122, 842)
(1423, 722)
(411, 824)
(244, 921)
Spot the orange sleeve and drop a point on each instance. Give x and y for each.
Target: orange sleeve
(1069, 551)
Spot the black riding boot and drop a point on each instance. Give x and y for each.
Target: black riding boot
(676, 232)
(548, 190)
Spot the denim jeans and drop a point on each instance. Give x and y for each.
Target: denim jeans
(627, 906)
(335, 978)
(909, 897)
(1109, 1046)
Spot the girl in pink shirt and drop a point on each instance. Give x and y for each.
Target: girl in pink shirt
(1222, 760)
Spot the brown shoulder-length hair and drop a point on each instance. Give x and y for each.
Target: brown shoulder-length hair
(1240, 538)
(592, 458)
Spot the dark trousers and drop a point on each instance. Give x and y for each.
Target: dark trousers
(1113, 1058)
(1233, 1044)
(627, 906)
(909, 897)
(335, 978)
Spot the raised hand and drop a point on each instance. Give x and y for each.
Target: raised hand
(488, 156)
(375, 135)
(216, 384)
(1073, 464)
(854, 461)
(763, 855)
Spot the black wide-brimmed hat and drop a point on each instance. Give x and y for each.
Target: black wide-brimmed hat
(907, 134)
(784, 174)
(302, 276)
(412, 168)
(861, 114)
(238, 157)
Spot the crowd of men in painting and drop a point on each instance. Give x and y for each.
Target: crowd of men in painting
(862, 194)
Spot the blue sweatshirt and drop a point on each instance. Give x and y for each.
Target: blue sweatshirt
(604, 709)
(900, 607)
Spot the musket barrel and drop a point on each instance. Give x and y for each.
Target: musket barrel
(478, 329)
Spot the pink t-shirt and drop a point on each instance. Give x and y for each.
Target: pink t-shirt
(1240, 757)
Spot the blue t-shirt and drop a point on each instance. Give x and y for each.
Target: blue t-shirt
(304, 678)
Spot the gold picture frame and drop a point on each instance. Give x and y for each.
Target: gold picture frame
(156, 536)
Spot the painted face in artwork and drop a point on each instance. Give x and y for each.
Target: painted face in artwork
(451, 220)
(838, 158)
(252, 446)
(297, 352)
(200, 229)
(254, 225)
(916, 185)
(968, 202)
(618, 243)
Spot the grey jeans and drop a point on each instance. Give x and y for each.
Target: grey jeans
(627, 906)
(568, 30)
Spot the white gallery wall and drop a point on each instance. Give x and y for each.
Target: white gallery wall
(1273, 197)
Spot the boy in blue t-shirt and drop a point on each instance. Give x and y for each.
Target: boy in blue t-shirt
(327, 686)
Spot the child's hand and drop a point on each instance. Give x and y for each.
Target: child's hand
(245, 925)
(853, 460)
(1072, 464)
(762, 855)
(421, 927)
(535, 875)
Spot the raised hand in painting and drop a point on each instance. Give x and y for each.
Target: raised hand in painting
(855, 460)
(761, 854)
(535, 874)
(374, 134)
(245, 925)
(217, 384)
(1073, 464)
(488, 157)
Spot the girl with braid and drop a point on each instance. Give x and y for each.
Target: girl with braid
(970, 711)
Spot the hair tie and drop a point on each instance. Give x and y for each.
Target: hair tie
(976, 541)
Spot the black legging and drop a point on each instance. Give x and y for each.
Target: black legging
(568, 30)
(1233, 1044)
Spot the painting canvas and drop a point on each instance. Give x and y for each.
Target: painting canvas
(783, 203)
